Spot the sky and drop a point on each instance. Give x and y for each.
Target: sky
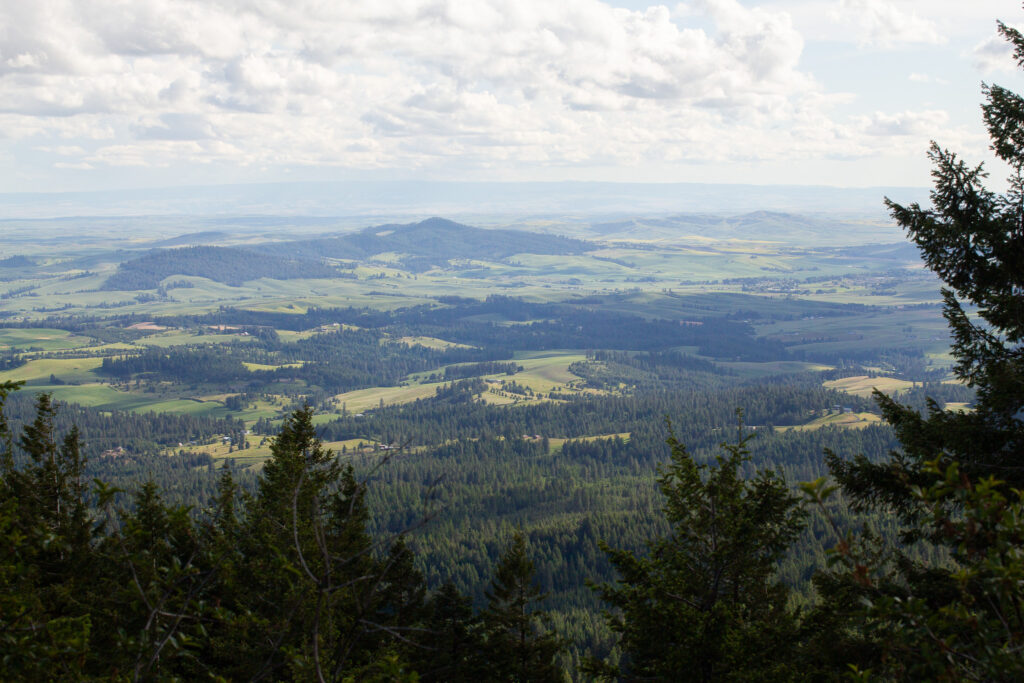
(108, 94)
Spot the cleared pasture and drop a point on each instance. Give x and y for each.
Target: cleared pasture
(844, 420)
(185, 406)
(42, 338)
(185, 337)
(545, 371)
(757, 370)
(256, 454)
(555, 444)
(260, 367)
(432, 343)
(862, 385)
(92, 395)
(65, 369)
(364, 399)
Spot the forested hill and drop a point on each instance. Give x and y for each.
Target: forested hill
(17, 261)
(223, 264)
(432, 242)
(193, 239)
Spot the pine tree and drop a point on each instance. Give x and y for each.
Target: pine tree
(973, 239)
(704, 603)
(451, 648)
(955, 483)
(518, 645)
(309, 596)
(44, 628)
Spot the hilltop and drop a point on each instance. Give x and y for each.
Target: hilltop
(222, 264)
(432, 242)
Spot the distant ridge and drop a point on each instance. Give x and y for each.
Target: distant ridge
(193, 239)
(17, 261)
(772, 226)
(432, 242)
(221, 264)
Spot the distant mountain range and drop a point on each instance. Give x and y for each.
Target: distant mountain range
(222, 264)
(193, 239)
(417, 246)
(17, 261)
(430, 243)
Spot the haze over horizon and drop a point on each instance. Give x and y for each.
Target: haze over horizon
(103, 95)
(480, 203)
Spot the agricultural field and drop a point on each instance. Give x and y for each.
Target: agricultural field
(862, 385)
(844, 420)
(39, 339)
(364, 399)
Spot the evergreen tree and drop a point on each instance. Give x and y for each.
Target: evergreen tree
(518, 646)
(308, 595)
(704, 603)
(451, 648)
(973, 239)
(955, 482)
(46, 563)
(154, 588)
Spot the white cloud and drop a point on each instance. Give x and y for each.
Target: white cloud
(419, 84)
(916, 123)
(896, 24)
(78, 166)
(883, 23)
(994, 54)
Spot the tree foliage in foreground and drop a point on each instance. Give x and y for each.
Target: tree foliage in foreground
(285, 584)
(956, 482)
(704, 603)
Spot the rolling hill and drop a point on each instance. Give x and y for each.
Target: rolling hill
(430, 243)
(222, 264)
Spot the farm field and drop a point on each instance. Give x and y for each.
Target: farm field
(843, 420)
(364, 399)
(863, 385)
(555, 443)
(65, 369)
(41, 339)
(431, 343)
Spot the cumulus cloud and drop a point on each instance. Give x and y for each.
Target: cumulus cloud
(906, 123)
(994, 54)
(884, 23)
(420, 83)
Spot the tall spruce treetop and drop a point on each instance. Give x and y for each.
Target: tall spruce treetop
(973, 239)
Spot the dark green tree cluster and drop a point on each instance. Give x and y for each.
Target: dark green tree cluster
(704, 603)
(284, 584)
